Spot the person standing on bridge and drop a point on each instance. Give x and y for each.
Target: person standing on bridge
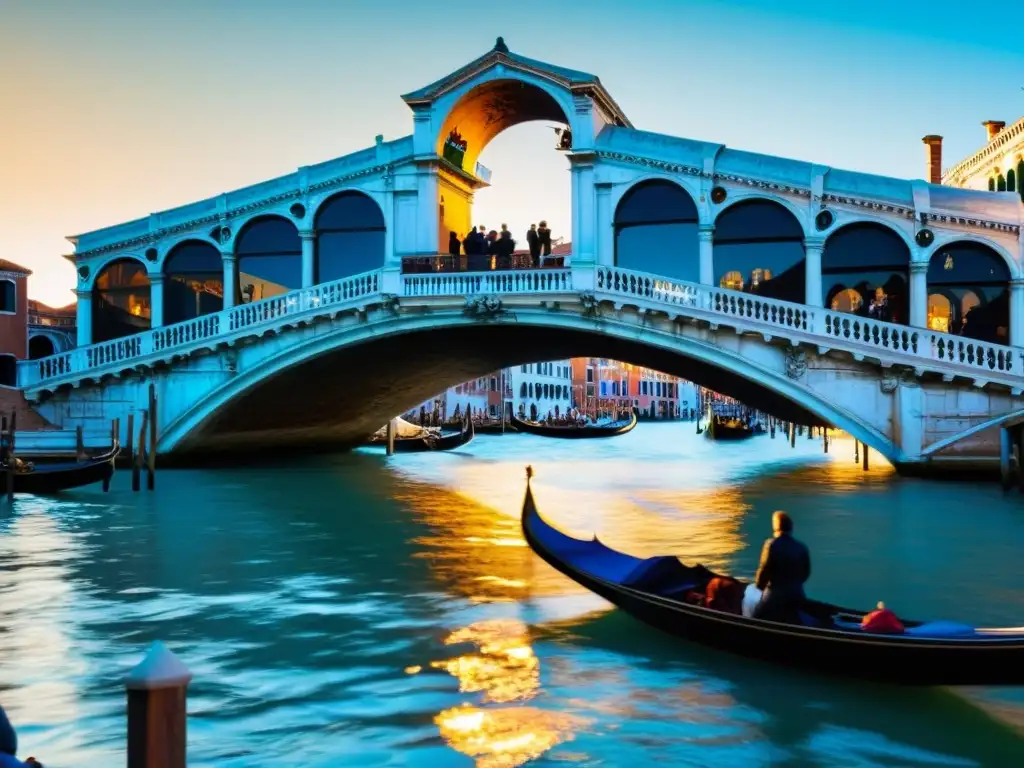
(544, 239)
(533, 241)
(785, 567)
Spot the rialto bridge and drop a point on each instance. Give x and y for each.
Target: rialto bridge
(308, 309)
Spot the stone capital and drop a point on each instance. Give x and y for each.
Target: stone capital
(307, 234)
(83, 294)
(706, 232)
(1017, 284)
(919, 267)
(156, 278)
(814, 241)
(227, 254)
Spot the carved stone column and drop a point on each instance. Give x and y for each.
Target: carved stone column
(812, 271)
(308, 238)
(84, 322)
(230, 277)
(706, 236)
(156, 300)
(919, 294)
(1017, 312)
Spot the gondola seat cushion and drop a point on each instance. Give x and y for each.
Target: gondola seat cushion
(940, 629)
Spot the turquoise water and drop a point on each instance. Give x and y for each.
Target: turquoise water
(369, 611)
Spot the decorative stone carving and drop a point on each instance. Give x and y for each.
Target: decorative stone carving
(483, 307)
(230, 358)
(889, 382)
(391, 302)
(796, 363)
(591, 306)
(388, 177)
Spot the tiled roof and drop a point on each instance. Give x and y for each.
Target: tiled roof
(10, 266)
(562, 249)
(34, 305)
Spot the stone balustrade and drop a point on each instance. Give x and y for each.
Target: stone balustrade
(891, 344)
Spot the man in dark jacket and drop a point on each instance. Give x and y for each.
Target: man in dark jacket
(785, 566)
(533, 241)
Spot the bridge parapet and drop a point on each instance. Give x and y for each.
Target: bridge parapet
(888, 344)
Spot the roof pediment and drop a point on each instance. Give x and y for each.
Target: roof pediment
(573, 80)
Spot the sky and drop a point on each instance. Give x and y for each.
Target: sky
(111, 110)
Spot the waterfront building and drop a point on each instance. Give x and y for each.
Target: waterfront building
(50, 329)
(968, 292)
(541, 389)
(13, 319)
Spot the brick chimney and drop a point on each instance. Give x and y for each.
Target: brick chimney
(933, 158)
(993, 127)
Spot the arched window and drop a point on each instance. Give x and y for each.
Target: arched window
(970, 281)
(991, 185)
(269, 255)
(195, 281)
(40, 346)
(522, 390)
(8, 296)
(1020, 179)
(761, 243)
(872, 261)
(1000, 183)
(120, 300)
(656, 231)
(8, 370)
(1011, 180)
(349, 237)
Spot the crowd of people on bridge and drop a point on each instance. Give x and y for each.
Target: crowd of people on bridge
(485, 249)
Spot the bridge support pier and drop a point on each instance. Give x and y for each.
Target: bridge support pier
(1005, 454)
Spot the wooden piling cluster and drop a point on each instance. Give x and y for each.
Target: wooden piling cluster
(142, 454)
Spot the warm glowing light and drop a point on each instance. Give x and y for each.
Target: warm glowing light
(504, 668)
(505, 738)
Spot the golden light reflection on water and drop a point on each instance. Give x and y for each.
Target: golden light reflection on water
(505, 669)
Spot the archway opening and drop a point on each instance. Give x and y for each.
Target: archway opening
(350, 234)
(269, 254)
(40, 346)
(968, 292)
(194, 281)
(473, 215)
(873, 261)
(121, 300)
(762, 242)
(656, 231)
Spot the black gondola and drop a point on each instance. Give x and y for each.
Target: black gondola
(493, 428)
(572, 432)
(44, 479)
(432, 441)
(664, 592)
(724, 428)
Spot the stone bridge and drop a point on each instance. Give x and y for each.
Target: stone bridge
(326, 366)
(306, 310)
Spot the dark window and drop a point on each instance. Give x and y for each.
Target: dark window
(1011, 180)
(968, 292)
(522, 390)
(269, 255)
(656, 231)
(120, 300)
(759, 248)
(867, 264)
(40, 346)
(1000, 183)
(8, 296)
(991, 185)
(8, 370)
(349, 237)
(194, 283)
(1020, 179)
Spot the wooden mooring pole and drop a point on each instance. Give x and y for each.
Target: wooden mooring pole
(792, 435)
(864, 455)
(392, 424)
(824, 437)
(140, 453)
(151, 464)
(157, 722)
(130, 446)
(856, 451)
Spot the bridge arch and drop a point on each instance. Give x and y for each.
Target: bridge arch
(350, 232)
(268, 252)
(758, 247)
(969, 290)
(862, 258)
(40, 345)
(480, 109)
(121, 298)
(455, 348)
(655, 229)
(193, 286)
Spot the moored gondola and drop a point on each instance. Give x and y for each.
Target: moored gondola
(433, 441)
(573, 432)
(666, 593)
(493, 428)
(43, 479)
(724, 428)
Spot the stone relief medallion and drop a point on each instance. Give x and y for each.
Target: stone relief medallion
(483, 307)
(796, 363)
(591, 306)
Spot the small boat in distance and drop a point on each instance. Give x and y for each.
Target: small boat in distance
(726, 428)
(42, 479)
(428, 440)
(668, 594)
(612, 429)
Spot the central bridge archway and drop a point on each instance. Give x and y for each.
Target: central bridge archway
(337, 388)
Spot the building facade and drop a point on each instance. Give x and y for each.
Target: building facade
(996, 167)
(50, 329)
(539, 390)
(13, 319)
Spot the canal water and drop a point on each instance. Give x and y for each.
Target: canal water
(370, 611)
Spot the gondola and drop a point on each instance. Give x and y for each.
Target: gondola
(493, 428)
(44, 479)
(722, 428)
(433, 442)
(552, 430)
(666, 593)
